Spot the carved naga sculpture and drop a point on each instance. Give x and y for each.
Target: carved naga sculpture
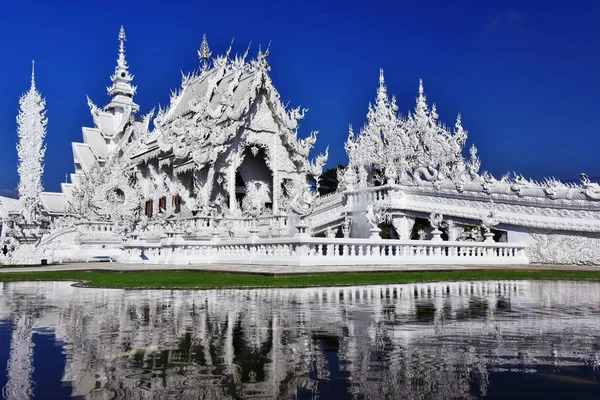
(591, 189)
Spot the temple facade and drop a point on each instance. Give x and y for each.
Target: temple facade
(220, 175)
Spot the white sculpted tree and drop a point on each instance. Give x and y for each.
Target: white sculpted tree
(31, 130)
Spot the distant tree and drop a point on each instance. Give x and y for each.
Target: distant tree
(329, 181)
(31, 129)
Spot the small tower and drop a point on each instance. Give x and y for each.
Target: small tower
(121, 89)
(31, 130)
(204, 53)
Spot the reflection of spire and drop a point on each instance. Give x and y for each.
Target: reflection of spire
(20, 363)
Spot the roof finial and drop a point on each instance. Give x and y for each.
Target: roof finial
(204, 53)
(33, 74)
(381, 79)
(421, 87)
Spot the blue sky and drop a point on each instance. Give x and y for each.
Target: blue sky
(525, 78)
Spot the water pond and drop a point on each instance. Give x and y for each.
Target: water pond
(505, 339)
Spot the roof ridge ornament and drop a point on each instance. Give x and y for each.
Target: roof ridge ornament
(229, 49)
(247, 51)
(204, 53)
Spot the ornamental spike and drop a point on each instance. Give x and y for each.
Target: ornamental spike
(421, 91)
(229, 49)
(381, 79)
(247, 51)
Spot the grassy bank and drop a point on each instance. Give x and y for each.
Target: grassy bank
(200, 279)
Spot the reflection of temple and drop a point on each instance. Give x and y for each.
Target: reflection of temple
(400, 341)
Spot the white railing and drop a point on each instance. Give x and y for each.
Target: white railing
(275, 225)
(369, 195)
(95, 231)
(301, 250)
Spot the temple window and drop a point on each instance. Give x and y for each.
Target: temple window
(176, 202)
(162, 204)
(148, 208)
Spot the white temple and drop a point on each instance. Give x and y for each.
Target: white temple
(220, 176)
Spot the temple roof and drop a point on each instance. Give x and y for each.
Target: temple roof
(198, 86)
(9, 206)
(54, 203)
(84, 157)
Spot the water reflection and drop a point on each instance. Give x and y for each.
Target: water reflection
(465, 340)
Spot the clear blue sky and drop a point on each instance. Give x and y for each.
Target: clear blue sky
(525, 76)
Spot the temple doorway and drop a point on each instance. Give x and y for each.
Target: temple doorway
(254, 169)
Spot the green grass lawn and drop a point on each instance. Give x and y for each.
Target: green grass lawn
(200, 279)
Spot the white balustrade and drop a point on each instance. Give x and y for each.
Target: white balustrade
(323, 251)
(98, 232)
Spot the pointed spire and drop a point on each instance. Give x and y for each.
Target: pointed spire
(33, 74)
(382, 90)
(421, 108)
(204, 53)
(122, 47)
(122, 90)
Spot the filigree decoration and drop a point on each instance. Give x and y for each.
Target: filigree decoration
(109, 192)
(556, 247)
(31, 129)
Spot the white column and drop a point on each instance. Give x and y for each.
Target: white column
(232, 199)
